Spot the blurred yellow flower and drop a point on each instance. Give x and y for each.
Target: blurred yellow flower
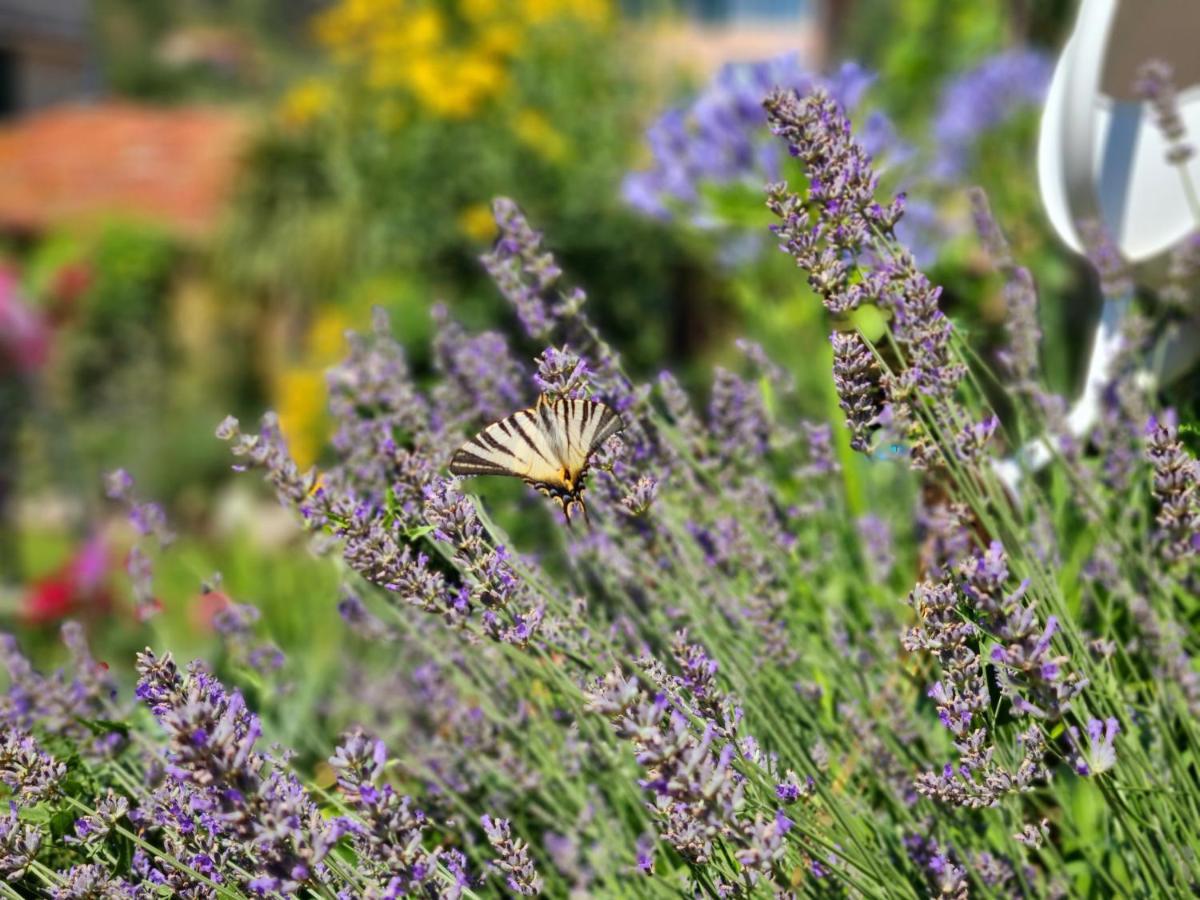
(535, 132)
(538, 11)
(477, 222)
(300, 390)
(451, 72)
(425, 28)
(594, 12)
(327, 335)
(454, 84)
(300, 404)
(306, 102)
(477, 11)
(501, 38)
(479, 71)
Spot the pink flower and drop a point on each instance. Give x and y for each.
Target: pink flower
(24, 337)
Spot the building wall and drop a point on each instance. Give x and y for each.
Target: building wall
(45, 53)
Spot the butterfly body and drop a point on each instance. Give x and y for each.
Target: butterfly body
(549, 446)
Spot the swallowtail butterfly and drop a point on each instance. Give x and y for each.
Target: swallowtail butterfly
(548, 446)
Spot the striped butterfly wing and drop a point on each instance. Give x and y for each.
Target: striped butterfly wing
(516, 446)
(547, 445)
(585, 425)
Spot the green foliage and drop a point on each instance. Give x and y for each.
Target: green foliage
(357, 195)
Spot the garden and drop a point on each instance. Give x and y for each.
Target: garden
(851, 540)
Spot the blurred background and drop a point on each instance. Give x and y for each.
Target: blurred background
(199, 197)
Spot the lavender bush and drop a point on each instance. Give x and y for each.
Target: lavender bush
(773, 666)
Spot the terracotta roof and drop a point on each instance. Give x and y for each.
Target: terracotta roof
(75, 164)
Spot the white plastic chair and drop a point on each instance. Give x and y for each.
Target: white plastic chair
(1101, 158)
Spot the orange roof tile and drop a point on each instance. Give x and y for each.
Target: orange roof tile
(75, 164)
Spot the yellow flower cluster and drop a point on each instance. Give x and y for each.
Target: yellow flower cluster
(451, 57)
(306, 101)
(300, 389)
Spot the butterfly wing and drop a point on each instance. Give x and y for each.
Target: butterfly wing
(585, 425)
(518, 446)
(548, 445)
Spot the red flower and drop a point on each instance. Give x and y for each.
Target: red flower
(79, 585)
(50, 599)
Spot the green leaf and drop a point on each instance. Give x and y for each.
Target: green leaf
(870, 321)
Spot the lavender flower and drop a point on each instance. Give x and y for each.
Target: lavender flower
(58, 705)
(361, 620)
(512, 858)
(1124, 407)
(212, 736)
(1033, 835)
(821, 461)
(1099, 755)
(1020, 357)
(526, 276)
(981, 99)
(1176, 490)
(92, 829)
(738, 418)
(1105, 257)
(19, 844)
(945, 529)
(235, 623)
(639, 500)
(837, 225)
(988, 230)
(88, 881)
(388, 833)
(560, 373)
(792, 789)
(492, 581)
(645, 853)
(961, 694)
(720, 138)
(1031, 675)
(1026, 668)
(877, 545)
(268, 451)
(943, 873)
(836, 217)
(480, 381)
(698, 796)
(373, 546)
(979, 780)
(857, 380)
(32, 775)
(1155, 84)
(381, 426)
(149, 520)
(970, 442)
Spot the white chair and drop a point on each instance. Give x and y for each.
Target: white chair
(1101, 158)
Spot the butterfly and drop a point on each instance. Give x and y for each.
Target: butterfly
(548, 446)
